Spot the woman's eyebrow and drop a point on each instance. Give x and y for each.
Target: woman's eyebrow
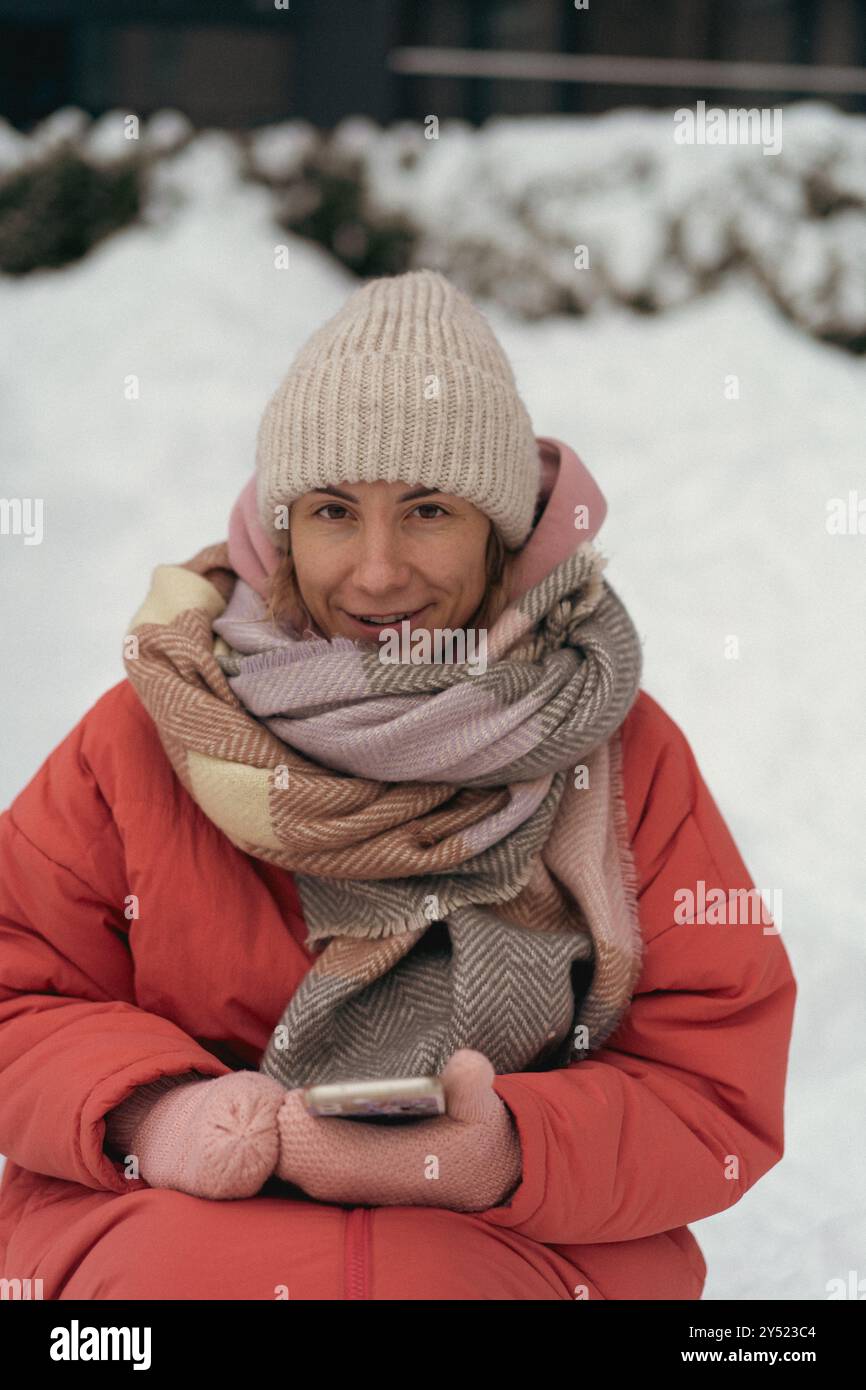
(407, 496)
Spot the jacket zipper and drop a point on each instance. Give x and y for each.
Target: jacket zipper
(357, 1260)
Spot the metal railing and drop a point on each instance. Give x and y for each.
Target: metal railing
(600, 69)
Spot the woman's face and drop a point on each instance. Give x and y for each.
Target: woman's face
(376, 550)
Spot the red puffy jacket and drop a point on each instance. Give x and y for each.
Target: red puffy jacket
(673, 1120)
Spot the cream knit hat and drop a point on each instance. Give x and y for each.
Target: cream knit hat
(406, 382)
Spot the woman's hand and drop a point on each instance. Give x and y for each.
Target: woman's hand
(213, 1138)
(467, 1160)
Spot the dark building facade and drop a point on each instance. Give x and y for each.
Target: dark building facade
(241, 63)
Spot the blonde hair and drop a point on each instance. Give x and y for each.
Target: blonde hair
(285, 604)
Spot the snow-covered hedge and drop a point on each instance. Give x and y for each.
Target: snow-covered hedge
(544, 214)
(74, 181)
(506, 209)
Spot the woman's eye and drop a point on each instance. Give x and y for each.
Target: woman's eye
(329, 505)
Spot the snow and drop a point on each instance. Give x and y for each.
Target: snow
(102, 141)
(279, 151)
(65, 126)
(167, 130)
(14, 148)
(716, 527)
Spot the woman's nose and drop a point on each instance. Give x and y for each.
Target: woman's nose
(380, 565)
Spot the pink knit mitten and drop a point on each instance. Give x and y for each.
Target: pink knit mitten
(214, 1137)
(467, 1160)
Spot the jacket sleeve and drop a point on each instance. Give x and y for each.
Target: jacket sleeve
(682, 1110)
(73, 1044)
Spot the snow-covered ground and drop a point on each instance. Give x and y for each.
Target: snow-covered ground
(716, 528)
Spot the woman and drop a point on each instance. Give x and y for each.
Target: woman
(291, 848)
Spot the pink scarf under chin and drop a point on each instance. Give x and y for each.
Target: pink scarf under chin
(566, 483)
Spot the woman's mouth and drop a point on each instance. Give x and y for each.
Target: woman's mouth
(374, 623)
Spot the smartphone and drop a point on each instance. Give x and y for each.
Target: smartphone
(403, 1098)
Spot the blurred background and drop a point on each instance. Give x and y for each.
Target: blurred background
(186, 192)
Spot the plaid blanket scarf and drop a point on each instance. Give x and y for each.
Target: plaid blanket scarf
(458, 837)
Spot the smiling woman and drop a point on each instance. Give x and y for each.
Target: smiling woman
(354, 870)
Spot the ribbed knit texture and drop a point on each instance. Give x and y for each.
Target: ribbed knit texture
(406, 382)
(121, 1123)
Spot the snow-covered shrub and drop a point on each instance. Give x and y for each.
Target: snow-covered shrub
(54, 210)
(73, 181)
(320, 190)
(564, 213)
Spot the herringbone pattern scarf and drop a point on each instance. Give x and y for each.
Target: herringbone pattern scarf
(458, 837)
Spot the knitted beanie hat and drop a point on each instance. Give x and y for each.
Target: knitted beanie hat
(406, 382)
